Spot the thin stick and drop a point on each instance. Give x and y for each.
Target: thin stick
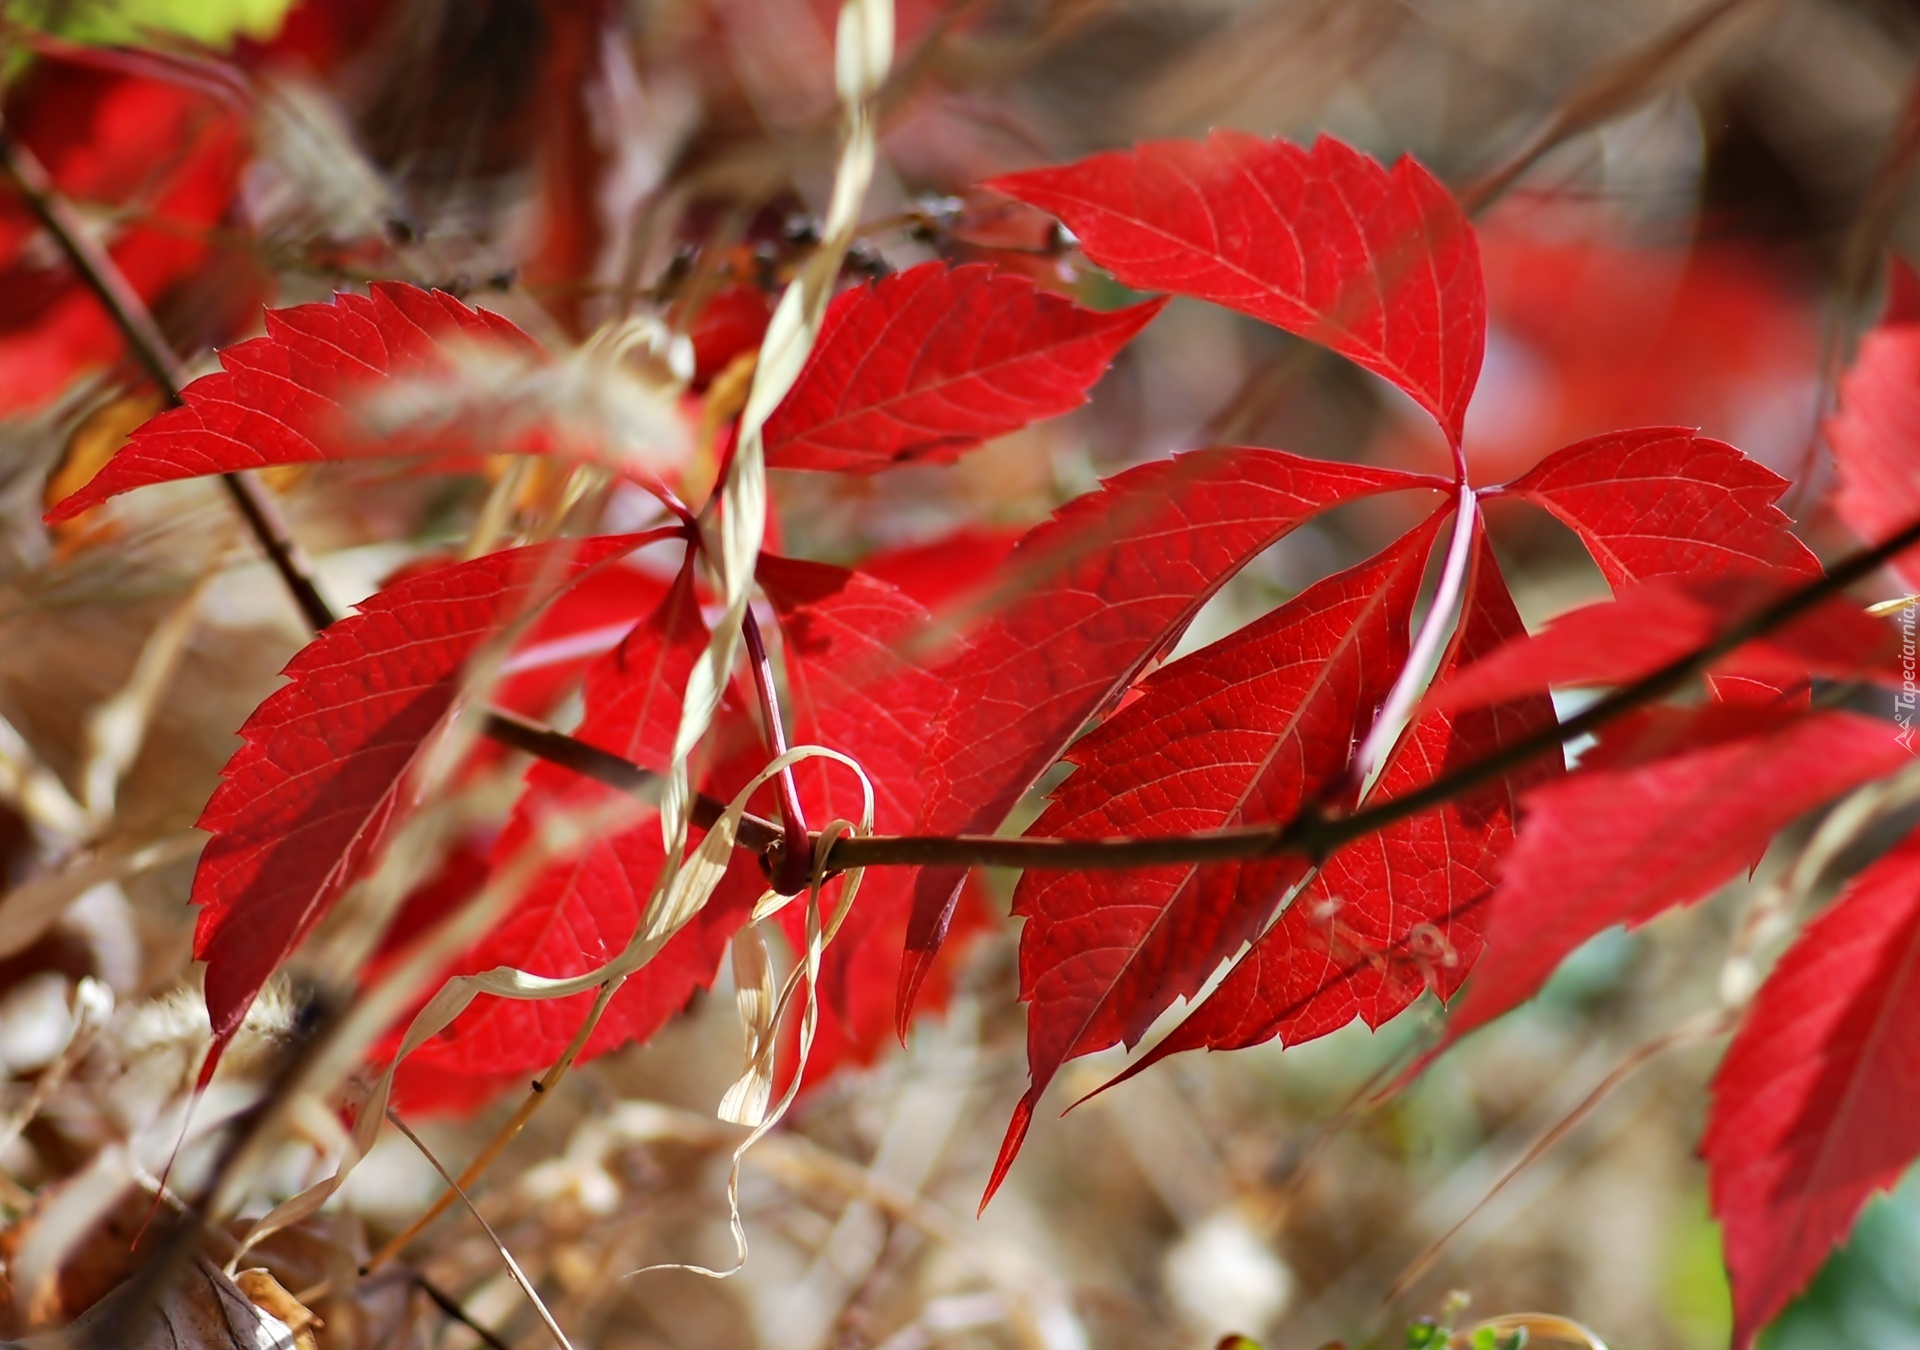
(1703, 1027)
(489, 1153)
(449, 1305)
(513, 1266)
(756, 834)
(1314, 835)
(1606, 92)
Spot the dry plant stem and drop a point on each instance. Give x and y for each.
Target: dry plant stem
(492, 1149)
(513, 1266)
(1615, 87)
(1314, 835)
(450, 1305)
(1704, 1026)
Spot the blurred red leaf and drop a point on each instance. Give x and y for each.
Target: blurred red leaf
(166, 159)
(1625, 841)
(1876, 433)
(1817, 1104)
(1586, 335)
(730, 324)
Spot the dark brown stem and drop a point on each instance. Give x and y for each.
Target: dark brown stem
(449, 1305)
(602, 766)
(1314, 835)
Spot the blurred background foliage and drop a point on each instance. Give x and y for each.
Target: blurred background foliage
(1683, 207)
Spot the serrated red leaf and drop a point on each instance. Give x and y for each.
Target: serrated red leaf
(1654, 623)
(1378, 264)
(930, 362)
(1243, 732)
(1097, 592)
(303, 805)
(1876, 435)
(1622, 842)
(284, 398)
(1667, 501)
(581, 913)
(1817, 1104)
(1401, 911)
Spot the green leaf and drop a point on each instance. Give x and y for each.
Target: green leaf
(212, 23)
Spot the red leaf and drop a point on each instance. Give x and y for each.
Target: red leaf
(582, 625)
(306, 800)
(1817, 1105)
(1666, 501)
(1627, 841)
(1401, 911)
(1239, 733)
(933, 361)
(581, 913)
(946, 568)
(731, 323)
(1876, 436)
(1380, 265)
(1097, 592)
(1652, 624)
(281, 398)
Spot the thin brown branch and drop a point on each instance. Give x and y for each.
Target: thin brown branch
(1314, 835)
(755, 834)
